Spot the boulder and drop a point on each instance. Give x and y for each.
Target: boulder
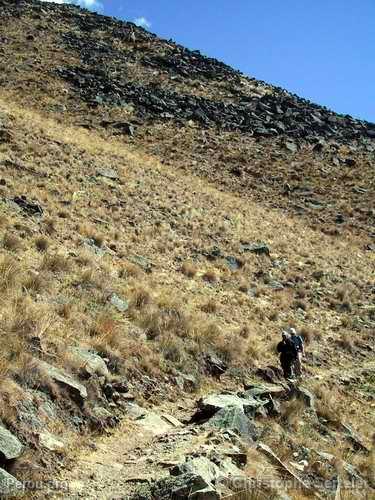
(9, 485)
(120, 304)
(271, 374)
(184, 486)
(51, 442)
(10, 446)
(214, 365)
(306, 396)
(186, 383)
(234, 418)
(66, 380)
(200, 466)
(208, 406)
(90, 244)
(92, 363)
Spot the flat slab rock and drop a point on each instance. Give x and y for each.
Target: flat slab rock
(157, 424)
(256, 390)
(10, 446)
(65, 379)
(9, 485)
(234, 419)
(209, 405)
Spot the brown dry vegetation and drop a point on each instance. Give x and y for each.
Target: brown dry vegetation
(56, 286)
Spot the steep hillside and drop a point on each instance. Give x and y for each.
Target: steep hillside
(163, 218)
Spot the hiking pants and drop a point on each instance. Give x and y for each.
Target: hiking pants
(287, 366)
(298, 364)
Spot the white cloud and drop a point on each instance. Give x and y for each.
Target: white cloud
(143, 22)
(87, 4)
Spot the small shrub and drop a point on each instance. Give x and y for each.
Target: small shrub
(11, 242)
(140, 298)
(189, 269)
(41, 244)
(105, 328)
(34, 283)
(244, 332)
(49, 226)
(346, 341)
(209, 307)
(210, 277)
(56, 263)
(129, 270)
(309, 334)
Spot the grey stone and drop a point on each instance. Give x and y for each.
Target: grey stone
(183, 487)
(65, 379)
(233, 263)
(200, 466)
(276, 285)
(234, 418)
(291, 146)
(109, 173)
(186, 383)
(307, 397)
(257, 248)
(256, 390)
(142, 262)
(10, 446)
(120, 304)
(154, 423)
(91, 245)
(208, 406)
(214, 365)
(91, 362)
(9, 485)
(51, 442)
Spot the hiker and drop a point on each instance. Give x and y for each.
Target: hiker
(300, 346)
(288, 354)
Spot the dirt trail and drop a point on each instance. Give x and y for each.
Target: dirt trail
(143, 449)
(115, 465)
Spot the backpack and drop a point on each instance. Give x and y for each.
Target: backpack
(298, 342)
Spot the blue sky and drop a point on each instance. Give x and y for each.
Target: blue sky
(323, 50)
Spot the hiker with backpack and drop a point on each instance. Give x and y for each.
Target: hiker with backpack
(288, 355)
(300, 346)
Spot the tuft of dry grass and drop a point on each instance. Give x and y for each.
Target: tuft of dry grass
(328, 407)
(11, 242)
(129, 270)
(189, 269)
(141, 298)
(41, 243)
(310, 334)
(56, 263)
(210, 276)
(34, 282)
(210, 307)
(91, 233)
(9, 273)
(49, 226)
(346, 341)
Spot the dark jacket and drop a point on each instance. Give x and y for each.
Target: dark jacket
(287, 350)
